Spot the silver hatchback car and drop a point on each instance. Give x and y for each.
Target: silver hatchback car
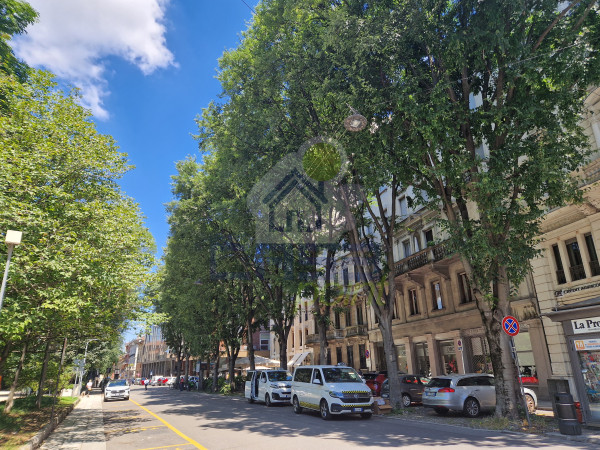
(471, 393)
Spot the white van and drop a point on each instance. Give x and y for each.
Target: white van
(331, 390)
(269, 386)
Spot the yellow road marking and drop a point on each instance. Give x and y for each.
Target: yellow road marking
(171, 427)
(165, 446)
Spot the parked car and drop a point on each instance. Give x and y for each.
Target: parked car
(375, 380)
(411, 386)
(154, 381)
(116, 389)
(170, 381)
(471, 393)
(331, 390)
(269, 386)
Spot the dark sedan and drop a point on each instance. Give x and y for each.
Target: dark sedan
(412, 387)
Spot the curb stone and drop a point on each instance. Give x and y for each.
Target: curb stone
(37, 440)
(553, 434)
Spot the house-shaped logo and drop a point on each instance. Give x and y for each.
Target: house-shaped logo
(290, 207)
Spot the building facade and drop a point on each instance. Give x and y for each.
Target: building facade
(567, 280)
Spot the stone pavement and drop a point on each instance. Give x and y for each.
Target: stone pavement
(83, 428)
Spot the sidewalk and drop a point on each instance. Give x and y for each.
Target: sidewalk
(82, 429)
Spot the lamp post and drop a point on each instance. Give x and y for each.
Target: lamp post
(138, 342)
(13, 238)
(83, 364)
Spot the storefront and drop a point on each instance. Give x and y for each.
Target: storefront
(581, 325)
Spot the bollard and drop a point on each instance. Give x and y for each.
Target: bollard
(566, 414)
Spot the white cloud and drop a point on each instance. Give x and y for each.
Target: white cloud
(73, 37)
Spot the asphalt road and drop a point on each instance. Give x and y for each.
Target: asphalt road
(161, 418)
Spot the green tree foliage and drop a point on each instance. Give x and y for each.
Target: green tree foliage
(15, 16)
(85, 253)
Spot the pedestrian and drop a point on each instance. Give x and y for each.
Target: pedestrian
(89, 387)
(145, 381)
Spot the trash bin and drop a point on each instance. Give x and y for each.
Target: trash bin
(566, 414)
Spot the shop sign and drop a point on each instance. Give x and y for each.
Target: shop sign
(587, 344)
(588, 325)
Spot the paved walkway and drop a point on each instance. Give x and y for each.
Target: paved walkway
(82, 429)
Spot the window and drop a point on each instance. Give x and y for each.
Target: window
(413, 302)
(264, 340)
(302, 375)
(359, 315)
(428, 235)
(300, 315)
(348, 318)
(362, 356)
(350, 353)
(328, 357)
(403, 207)
(338, 354)
(356, 274)
(436, 294)
(317, 376)
(346, 277)
(406, 248)
(591, 248)
(336, 278)
(466, 296)
(575, 261)
(560, 271)
(416, 243)
(306, 311)
(336, 318)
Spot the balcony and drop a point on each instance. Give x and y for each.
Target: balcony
(421, 259)
(577, 272)
(335, 334)
(356, 330)
(312, 339)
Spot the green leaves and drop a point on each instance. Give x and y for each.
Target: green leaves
(85, 252)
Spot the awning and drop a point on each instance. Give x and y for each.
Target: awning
(297, 359)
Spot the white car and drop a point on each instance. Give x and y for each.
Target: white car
(269, 386)
(116, 389)
(171, 381)
(331, 390)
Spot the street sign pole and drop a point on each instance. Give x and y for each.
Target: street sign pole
(514, 350)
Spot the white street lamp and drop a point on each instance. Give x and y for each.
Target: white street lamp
(78, 385)
(13, 238)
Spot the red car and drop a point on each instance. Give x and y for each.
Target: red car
(375, 380)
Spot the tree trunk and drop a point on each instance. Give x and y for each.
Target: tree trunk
(13, 387)
(187, 369)
(5, 352)
(250, 344)
(282, 340)
(508, 390)
(215, 386)
(391, 358)
(40, 394)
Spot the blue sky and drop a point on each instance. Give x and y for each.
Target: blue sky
(146, 69)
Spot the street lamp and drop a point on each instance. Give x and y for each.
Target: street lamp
(83, 364)
(138, 342)
(13, 238)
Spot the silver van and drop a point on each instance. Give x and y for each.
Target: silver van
(471, 393)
